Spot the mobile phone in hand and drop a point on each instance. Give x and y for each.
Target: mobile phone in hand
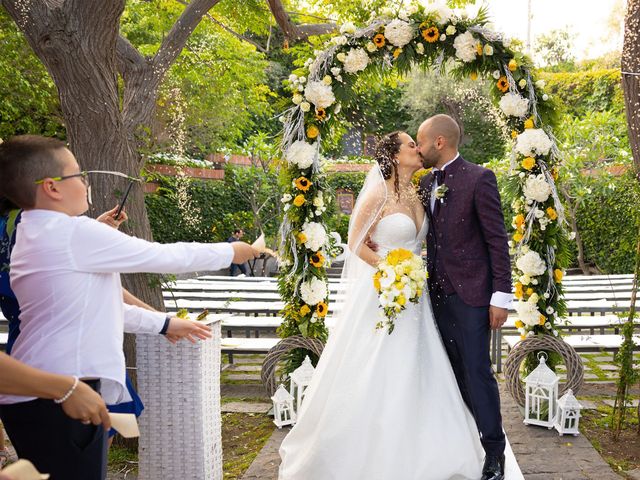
(124, 199)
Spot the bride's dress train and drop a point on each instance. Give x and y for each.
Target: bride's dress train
(385, 407)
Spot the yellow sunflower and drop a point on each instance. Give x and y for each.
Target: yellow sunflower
(431, 34)
(321, 114)
(303, 184)
(503, 84)
(379, 40)
(317, 259)
(321, 309)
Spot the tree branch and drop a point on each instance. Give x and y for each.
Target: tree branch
(177, 37)
(293, 32)
(232, 32)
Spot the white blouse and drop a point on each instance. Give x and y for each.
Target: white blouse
(65, 272)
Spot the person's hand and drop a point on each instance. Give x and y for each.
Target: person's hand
(108, 217)
(86, 405)
(4, 476)
(497, 317)
(243, 252)
(180, 328)
(371, 244)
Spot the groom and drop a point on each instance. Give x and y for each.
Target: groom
(469, 273)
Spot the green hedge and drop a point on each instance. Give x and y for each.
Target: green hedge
(608, 222)
(581, 92)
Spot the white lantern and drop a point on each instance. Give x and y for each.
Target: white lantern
(300, 380)
(568, 415)
(283, 412)
(541, 396)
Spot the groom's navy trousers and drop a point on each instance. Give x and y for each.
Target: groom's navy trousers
(465, 333)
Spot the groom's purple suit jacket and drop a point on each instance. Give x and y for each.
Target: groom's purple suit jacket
(467, 244)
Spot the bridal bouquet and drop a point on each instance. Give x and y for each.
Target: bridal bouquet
(400, 279)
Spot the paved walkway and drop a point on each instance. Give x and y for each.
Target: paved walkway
(541, 453)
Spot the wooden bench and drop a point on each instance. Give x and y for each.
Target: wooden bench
(585, 343)
(599, 323)
(231, 346)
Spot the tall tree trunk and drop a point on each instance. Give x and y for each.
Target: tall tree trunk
(631, 76)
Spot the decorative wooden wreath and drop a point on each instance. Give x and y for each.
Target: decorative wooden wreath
(572, 361)
(283, 347)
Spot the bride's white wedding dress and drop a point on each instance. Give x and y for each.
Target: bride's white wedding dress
(385, 407)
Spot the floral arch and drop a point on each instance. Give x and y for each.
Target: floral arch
(426, 37)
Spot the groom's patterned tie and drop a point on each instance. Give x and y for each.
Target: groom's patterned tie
(439, 176)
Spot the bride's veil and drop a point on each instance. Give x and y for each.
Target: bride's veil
(366, 212)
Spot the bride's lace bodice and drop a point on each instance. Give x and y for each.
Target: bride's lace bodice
(398, 230)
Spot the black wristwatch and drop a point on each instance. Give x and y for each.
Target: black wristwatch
(165, 327)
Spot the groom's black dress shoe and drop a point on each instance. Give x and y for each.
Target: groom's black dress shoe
(493, 468)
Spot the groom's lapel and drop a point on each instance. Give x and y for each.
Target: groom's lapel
(427, 204)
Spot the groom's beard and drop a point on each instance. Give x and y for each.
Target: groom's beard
(426, 161)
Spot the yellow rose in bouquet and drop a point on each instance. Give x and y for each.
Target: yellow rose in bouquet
(399, 279)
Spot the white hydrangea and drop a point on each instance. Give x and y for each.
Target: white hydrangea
(514, 105)
(528, 313)
(339, 40)
(531, 264)
(301, 153)
(465, 45)
(313, 291)
(319, 94)
(536, 188)
(441, 12)
(348, 27)
(398, 33)
(532, 142)
(356, 61)
(316, 236)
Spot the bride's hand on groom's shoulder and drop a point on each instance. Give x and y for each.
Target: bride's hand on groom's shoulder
(497, 317)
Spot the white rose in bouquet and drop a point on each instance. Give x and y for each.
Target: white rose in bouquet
(316, 236)
(301, 153)
(531, 264)
(319, 94)
(465, 45)
(532, 142)
(514, 105)
(313, 291)
(536, 188)
(398, 33)
(356, 61)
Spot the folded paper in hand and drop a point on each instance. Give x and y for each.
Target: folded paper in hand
(125, 424)
(24, 470)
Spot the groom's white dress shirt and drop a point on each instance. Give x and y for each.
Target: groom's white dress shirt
(65, 272)
(498, 299)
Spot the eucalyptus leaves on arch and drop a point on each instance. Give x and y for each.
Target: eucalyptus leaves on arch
(424, 37)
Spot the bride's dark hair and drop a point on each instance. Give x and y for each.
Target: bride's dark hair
(386, 155)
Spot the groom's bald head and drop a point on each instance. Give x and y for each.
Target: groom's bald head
(438, 139)
(442, 125)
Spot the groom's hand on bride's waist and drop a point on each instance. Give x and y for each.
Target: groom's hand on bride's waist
(497, 317)
(371, 244)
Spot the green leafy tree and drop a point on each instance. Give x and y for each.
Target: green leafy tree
(554, 48)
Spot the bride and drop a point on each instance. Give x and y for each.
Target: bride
(380, 406)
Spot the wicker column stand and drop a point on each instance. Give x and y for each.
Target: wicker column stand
(180, 428)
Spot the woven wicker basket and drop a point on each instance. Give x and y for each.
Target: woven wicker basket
(572, 361)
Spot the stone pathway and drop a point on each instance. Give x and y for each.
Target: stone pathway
(542, 454)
